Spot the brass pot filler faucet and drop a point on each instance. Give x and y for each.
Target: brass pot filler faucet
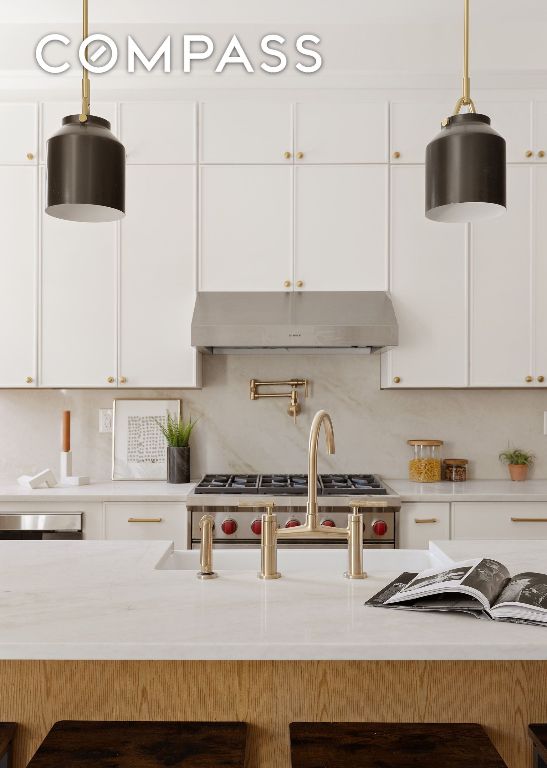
(311, 529)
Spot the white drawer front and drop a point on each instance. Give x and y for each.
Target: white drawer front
(147, 520)
(500, 520)
(423, 522)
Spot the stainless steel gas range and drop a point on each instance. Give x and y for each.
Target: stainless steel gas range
(236, 503)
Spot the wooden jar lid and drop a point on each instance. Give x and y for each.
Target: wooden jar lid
(425, 442)
(457, 462)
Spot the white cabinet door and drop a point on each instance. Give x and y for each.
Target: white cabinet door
(421, 523)
(341, 132)
(500, 520)
(246, 132)
(18, 134)
(539, 144)
(429, 289)
(147, 520)
(54, 111)
(78, 304)
(157, 278)
(513, 120)
(413, 125)
(18, 263)
(161, 133)
(341, 227)
(539, 281)
(501, 263)
(246, 233)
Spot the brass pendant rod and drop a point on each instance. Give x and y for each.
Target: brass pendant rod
(86, 93)
(465, 100)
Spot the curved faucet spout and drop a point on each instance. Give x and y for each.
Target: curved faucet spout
(321, 418)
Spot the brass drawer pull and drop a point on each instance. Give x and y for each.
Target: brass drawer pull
(428, 520)
(145, 519)
(529, 519)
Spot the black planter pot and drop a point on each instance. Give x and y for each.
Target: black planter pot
(178, 464)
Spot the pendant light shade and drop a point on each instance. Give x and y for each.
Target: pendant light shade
(85, 163)
(85, 172)
(465, 162)
(465, 171)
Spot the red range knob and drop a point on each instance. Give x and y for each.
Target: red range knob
(379, 527)
(292, 523)
(229, 526)
(256, 527)
(329, 523)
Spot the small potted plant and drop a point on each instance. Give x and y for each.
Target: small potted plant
(177, 433)
(518, 462)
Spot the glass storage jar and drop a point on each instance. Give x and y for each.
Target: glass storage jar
(425, 464)
(455, 470)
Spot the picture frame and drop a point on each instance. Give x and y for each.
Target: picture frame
(138, 446)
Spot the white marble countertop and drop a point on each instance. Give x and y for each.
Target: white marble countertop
(472, 490)
(106, 600)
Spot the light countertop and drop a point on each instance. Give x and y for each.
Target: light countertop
(107, 600)
(118, 490)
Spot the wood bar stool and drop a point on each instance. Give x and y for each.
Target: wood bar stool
(392, 745)
(7, 732)
(538, 734)
(134, 744)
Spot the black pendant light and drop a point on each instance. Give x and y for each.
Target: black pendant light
(465, 162)
(85, 164)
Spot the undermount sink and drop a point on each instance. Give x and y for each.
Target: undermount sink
(293, 560)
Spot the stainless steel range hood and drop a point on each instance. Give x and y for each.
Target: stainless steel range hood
(313, 321)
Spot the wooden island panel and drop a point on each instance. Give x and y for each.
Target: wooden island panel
(502, 696)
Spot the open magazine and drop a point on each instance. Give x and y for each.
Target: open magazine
(478, 587)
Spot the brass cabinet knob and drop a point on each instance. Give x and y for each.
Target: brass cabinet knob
(528, 379)
(287, 155)
(396, 379)
(299, 283)
(30, 156)
(529, 153)
(123, 380)
(396, 155)
(541, 379)
(287, 284)
(299, 155)
(29, 380)
(541, 153)
(111, 379)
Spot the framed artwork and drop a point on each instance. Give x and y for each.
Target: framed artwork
(138, 445)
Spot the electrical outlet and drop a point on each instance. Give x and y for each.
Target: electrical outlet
(105, 419)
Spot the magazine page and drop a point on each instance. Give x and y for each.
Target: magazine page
(481, 579)
(524, 598)
(436, 602)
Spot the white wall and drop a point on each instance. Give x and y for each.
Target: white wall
(234, 433)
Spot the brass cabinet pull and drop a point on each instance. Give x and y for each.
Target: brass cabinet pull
(29, 380)
(541, 153)
(145, 519)
(541, 379)
(299, 283)
(287, 155)
(396, 379)
(529, 153)
(111, 379)
(422, 521)
(299, 155)
(529, 519)
(396, 155)
(30, 156)
(123, 380)
(528, 379)
(287, 284)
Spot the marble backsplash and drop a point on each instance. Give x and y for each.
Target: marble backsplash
(235, 433)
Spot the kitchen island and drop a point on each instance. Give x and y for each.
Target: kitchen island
(95, 630)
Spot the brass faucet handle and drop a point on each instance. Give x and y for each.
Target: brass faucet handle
(306, 389)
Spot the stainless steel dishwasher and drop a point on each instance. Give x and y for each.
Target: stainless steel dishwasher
(36, 526)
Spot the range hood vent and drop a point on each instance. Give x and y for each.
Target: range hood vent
(318, 321)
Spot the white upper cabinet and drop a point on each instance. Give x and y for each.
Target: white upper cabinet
(246, 228)
(246, 132)
(513, 120)
(341, 226)
(54, 111)
(18, 134)
(539, 144)
(78, 317)
(501, 264)
(341, 132)
(157, 278)
(413, 125)
(159, 133)
(428, 286)
(539, 283)
(18, 263)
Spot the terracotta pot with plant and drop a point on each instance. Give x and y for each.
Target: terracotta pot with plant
(177, 433)
(518, 462)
